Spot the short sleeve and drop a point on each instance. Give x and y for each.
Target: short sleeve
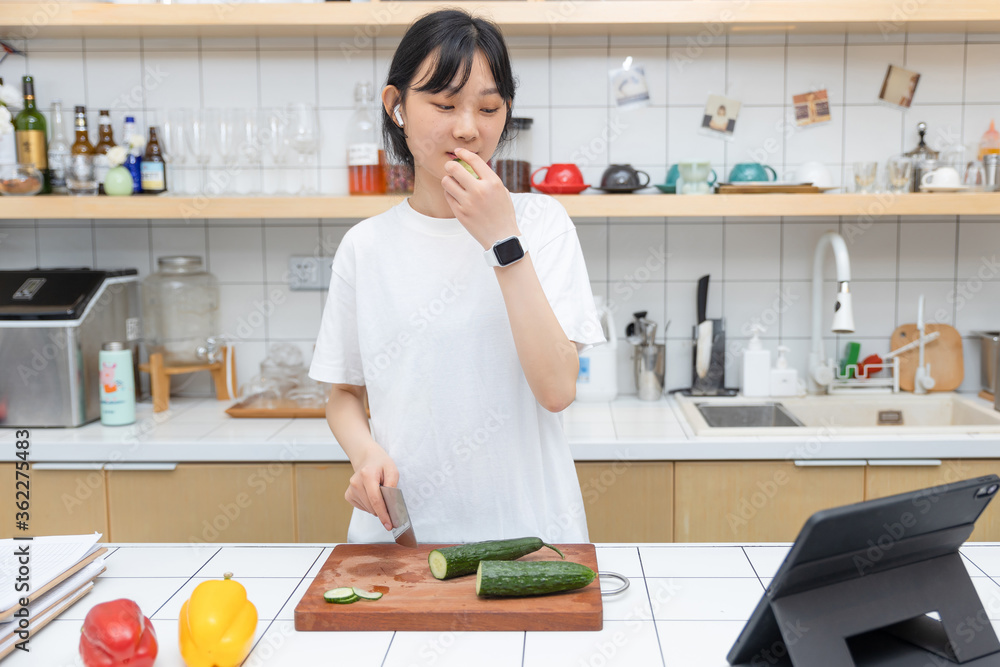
(563, 274)
(337, 355)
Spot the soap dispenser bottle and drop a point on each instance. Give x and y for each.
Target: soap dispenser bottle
(784, 380)
(756, 367)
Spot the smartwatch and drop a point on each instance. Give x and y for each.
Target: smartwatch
(506, 251)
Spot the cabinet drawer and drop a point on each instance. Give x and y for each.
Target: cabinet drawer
(628, 501)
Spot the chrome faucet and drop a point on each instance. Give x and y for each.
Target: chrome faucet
(821, 370)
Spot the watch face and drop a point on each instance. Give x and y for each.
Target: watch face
(508, 251)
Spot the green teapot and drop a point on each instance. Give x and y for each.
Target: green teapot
(751, 171)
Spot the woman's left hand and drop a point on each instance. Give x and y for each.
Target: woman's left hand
(482, 205)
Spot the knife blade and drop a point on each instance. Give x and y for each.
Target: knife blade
(703, 344)
(402, 529)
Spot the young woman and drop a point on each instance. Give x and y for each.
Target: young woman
(461, 312)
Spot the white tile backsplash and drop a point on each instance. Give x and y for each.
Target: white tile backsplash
(755, 263)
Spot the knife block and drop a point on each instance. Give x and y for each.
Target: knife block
(714, 382)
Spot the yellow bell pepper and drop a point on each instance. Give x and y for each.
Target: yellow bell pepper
(217, 624)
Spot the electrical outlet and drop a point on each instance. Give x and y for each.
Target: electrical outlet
(308, 272)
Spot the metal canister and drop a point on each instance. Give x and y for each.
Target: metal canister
(991, 164)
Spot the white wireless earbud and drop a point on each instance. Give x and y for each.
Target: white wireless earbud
(399, 119)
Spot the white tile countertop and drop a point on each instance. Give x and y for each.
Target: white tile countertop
(685, 606)
(199, 430)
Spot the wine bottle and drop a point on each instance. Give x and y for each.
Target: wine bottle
(59, 149)
(154, 167)
(80, 179)
(32, 140)
(105, 140)
(364, 159)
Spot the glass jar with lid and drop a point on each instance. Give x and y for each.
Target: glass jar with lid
(180, 310)
(514, 164)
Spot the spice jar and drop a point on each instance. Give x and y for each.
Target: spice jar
(180, 310)
(514, 167)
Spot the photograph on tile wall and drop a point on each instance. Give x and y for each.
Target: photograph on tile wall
(899, 86)
(811, 108)
(720, 116)
(628, 85)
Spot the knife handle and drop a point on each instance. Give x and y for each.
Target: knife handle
(702, 299)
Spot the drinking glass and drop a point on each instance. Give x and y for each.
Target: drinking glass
(174, 132)
(248, 149)
(304, 139)
(274, 135)
(198, 143)
(975, 175)
(223, 135)
(864, 176)
(899, 170)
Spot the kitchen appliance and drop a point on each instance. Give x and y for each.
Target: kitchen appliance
(53, 323)
(649, 357)
(989, 357)
(402, 528)
(415, 600)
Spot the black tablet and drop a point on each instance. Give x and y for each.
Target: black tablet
(850, 542)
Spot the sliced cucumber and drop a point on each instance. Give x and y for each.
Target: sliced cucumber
(463, 559)
(343, 595)
(521, 579)
(365, 595)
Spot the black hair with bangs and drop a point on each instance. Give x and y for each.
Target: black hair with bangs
(453, 37)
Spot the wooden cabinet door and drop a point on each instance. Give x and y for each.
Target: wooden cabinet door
(203, 502)
(62, 501)
(628, 501)
(756, 501)
(886, 480)
(322, 513)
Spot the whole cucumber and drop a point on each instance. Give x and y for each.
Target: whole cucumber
(461, 559)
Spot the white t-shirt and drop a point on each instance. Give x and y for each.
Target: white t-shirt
(416, 315)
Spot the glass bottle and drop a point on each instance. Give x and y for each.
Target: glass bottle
(133, 162)
(8, 142)
(105, 140)
(153, 167)
(364, 158)
(80, 179)
(32, 140)
(59, 149)
(180, 309)
(514, 168)
(989, 144)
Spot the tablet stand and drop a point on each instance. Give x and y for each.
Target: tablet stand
(815, 624)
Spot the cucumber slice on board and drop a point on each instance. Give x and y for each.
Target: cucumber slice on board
(365, 595)
(344, 595)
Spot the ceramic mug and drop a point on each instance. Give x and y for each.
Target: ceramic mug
(815, 173)
(559, 174)
(946, 177)
(623, 177)
(696, 178)
(751, 171)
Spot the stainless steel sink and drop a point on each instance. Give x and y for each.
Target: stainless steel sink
(747, 415)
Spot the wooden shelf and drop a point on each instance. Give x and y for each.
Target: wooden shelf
(518, 17)
(579, 206)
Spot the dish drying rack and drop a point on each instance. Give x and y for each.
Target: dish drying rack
(887, 382)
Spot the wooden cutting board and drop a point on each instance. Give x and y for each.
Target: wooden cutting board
(944, 355)
(414, 600)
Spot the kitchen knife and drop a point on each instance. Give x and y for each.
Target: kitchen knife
(703, 345)
(402, 529)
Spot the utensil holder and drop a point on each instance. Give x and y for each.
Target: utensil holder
(650, 367)
(714, 382)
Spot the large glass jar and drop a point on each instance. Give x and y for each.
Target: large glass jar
(514, 165)
(180, 310)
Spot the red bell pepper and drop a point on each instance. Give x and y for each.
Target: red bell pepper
(116, 634)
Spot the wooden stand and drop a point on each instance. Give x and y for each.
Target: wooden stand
(159, 376)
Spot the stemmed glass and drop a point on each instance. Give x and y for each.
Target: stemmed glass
(274, 134)
(304, 138)
(174, 144)
(197, 141)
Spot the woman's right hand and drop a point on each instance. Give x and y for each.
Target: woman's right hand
(374, 469)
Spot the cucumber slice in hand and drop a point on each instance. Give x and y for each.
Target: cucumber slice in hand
(343, 595)
(365, 595)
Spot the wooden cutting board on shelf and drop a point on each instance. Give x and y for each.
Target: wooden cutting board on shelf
(414, 600)
(944, 355)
